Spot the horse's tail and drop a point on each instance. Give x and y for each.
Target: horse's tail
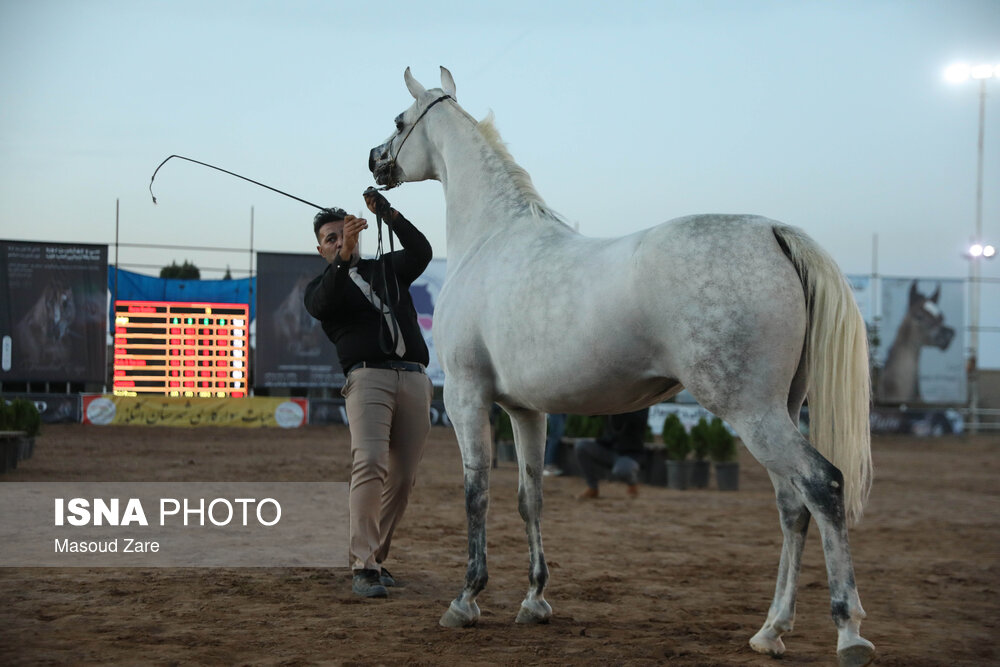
(839, 383)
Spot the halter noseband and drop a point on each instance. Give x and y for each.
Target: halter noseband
(392, 161)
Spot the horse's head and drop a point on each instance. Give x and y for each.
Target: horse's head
(927, 315)
(389, 163)
(60, 308)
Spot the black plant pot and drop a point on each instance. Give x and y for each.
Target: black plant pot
(678, 474)
(727, 475)
(699, 474)
(656, 472)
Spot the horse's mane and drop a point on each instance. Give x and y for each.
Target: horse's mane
(520, 177)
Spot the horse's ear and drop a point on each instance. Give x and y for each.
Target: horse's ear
(937, 294)
(413, 85)
(914, 294)
(448, 83)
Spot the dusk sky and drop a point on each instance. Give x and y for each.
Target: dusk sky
(831, 116)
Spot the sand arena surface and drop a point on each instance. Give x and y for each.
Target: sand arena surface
(678, 577)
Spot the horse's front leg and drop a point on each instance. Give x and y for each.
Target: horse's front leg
(472, 427)
(529, 438)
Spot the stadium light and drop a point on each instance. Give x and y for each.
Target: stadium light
(957, 73)
(978, 251)
(960, 72)
(984, 250)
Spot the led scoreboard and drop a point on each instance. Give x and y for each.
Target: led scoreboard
(181, 349)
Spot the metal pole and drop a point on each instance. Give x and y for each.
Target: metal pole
(974, 271)
(250, 303)
(114, 299)
(979, 165)
(117, 209)
(876, 321)
(875, 313)
(250, 284)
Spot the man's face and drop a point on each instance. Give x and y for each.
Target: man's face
(331, 237)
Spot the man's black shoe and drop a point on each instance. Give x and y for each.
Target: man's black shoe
(386, 579)
(366, 583)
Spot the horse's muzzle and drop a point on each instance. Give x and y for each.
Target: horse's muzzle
(381, 165)
(942, 337)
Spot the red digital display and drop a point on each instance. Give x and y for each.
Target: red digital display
(148, 348)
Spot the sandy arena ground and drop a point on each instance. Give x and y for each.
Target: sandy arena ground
(678, 577)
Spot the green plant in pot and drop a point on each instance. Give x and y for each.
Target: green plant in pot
(584, 426)
(678, 445)
(700, 441)
(723, 451)
(6, 416)
(29, 420)
(19, 415)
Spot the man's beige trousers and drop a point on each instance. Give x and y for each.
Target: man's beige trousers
(389, 415)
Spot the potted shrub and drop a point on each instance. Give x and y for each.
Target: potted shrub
(700, 440)
(584, 426)
(678, 446)
(28, 420)
(18, 416)
(7, 445)
(722, 450)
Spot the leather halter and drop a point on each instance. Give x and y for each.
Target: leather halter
(392, 161)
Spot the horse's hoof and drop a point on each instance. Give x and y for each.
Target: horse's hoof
(534, 612)
(460, 615)
(858, 655)
(767, 641)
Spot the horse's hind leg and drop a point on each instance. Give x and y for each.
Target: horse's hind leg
(529, 437)
(776, 443)
(470, 416)
(794, 519)
(794, 526)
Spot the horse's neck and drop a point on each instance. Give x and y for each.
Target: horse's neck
(905, 350)
(482, 197)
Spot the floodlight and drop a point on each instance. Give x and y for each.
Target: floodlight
(976, 250)
(957, 73)
(981, 72)
(989, 251)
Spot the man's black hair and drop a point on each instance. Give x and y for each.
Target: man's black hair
(326, 215)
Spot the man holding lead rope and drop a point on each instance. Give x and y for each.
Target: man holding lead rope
(365, 308)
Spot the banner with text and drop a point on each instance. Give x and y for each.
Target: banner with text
(53, 300)
(145, 410)
(174, 524)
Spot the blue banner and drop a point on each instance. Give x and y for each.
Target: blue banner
(139, 287)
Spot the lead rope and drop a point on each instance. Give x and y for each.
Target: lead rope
(381, 213)
(388, 300)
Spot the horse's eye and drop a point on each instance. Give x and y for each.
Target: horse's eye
(399, 124)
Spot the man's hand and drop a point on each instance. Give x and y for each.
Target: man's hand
(378, 204)
(352, 227)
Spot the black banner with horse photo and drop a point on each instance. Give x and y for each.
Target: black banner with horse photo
(53, 320)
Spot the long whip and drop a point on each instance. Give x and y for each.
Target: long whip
(226, 171)
(380, 215)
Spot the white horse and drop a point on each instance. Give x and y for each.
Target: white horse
(748, 314)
